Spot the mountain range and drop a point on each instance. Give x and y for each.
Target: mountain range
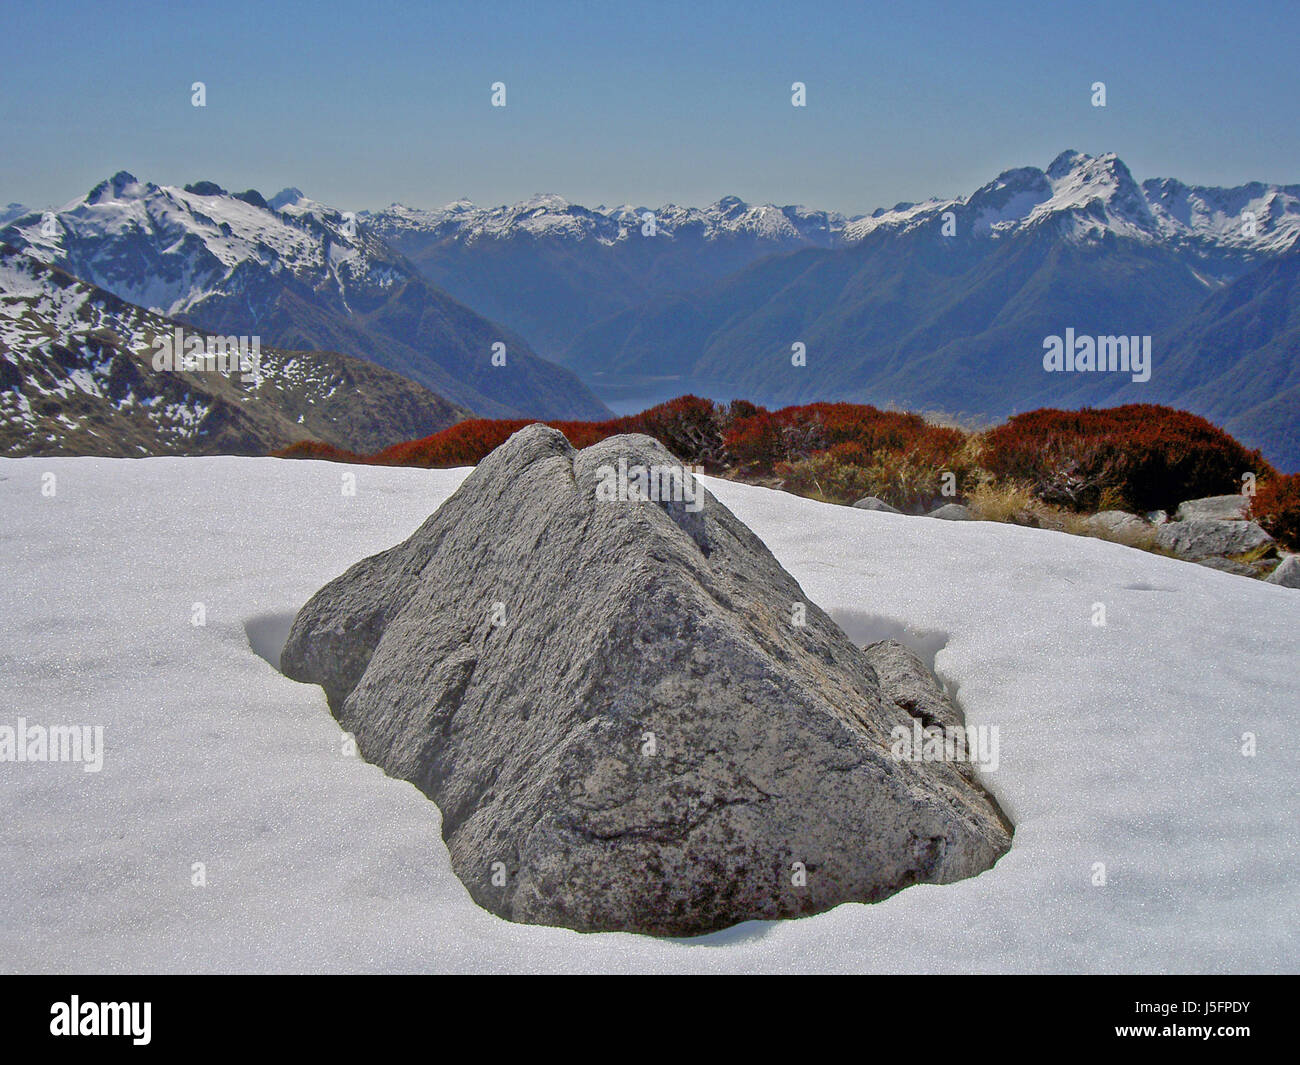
(299, 275)
(944, 304)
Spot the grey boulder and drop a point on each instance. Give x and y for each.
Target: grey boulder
(1287, 573)
(872, 503)
(952, 512)
(628, 713)
(1222, 508)
(1199, 538)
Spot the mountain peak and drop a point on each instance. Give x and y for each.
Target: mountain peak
(204, 188)
(284, 197)
(113, 186)
(548, 201)
(1067, 161)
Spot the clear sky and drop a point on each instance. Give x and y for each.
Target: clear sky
(644, 103)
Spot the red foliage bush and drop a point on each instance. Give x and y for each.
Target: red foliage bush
(1141, 456)
(315, 449)
(1276, 506)
(760, 440)
(1138, 456)
(688, 426)
(462, 444)
(756, 442)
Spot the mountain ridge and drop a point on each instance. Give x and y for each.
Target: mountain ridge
(305, 276)
(78, 376)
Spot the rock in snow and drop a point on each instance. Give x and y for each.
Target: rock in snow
(618, 712)
(1227, 565)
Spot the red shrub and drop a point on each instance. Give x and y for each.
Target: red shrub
(756, 442)
(463, 444)
(688, 426)
(762, 439)
(315, 449)
(1146, 456)
(1276, 506)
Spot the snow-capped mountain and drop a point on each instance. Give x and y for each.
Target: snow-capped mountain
(547, 216)
(552, 269)
(78, 376)
(1097, 193)
(1095, 196)
(305, 276)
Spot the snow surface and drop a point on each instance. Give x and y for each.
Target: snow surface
(1119, 744)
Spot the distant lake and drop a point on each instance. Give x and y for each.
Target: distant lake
(631, 395)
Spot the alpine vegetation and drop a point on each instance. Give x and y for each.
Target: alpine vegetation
(630, 715)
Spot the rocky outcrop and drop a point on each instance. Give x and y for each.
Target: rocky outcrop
(627, 711)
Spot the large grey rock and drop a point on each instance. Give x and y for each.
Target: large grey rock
(645, 741)
(1206, 537)
(872, 503)
(1222, 508)
(1287, 572)
(953, 512)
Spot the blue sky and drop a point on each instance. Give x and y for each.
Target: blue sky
(643, 103)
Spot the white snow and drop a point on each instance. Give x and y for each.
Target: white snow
(1119, 744)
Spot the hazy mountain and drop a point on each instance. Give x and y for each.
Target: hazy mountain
(549, 268)
(554, 270)
(305, 276)
(77, 377)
